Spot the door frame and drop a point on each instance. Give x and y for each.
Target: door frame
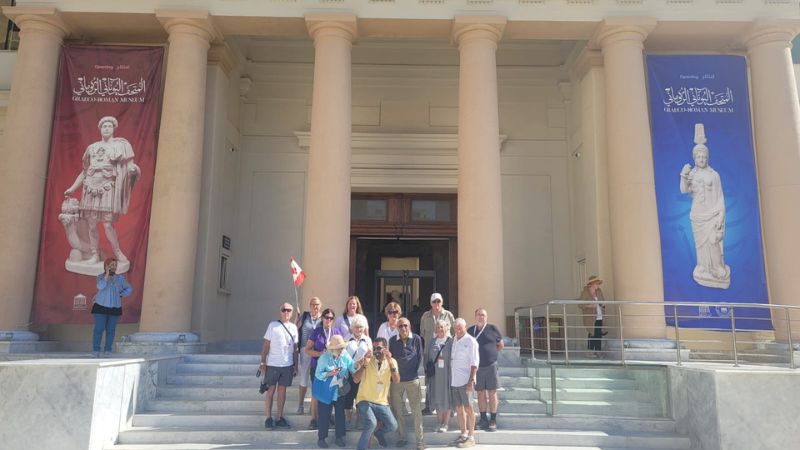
(398, 224)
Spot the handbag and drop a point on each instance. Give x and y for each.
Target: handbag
(430, 366)
(346, 387)
(322, 390)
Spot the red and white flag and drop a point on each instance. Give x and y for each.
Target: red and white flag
(298, 276)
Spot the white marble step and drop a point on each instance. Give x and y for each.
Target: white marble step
(256, 404)
(190, 392)
(254, 435)
(505, 421)
(305, 447)
(584, 382)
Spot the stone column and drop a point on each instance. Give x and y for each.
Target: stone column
(480, 215)
(25, 155)
(326, 253)
(635, 240)
(169, 279)
(776, 114)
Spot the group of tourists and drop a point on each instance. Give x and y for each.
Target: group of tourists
(365, 383)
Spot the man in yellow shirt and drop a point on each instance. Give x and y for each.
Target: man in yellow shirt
(375, 372)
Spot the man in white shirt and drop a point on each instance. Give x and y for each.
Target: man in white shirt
(279, 362)
(464, 363)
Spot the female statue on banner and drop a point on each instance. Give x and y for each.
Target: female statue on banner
(707, 215)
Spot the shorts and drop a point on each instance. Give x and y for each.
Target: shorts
(282, 376)
(460, 396)
(487, 378)
(304, 370)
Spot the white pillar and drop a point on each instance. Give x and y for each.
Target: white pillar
(23, 174)
(169, 278)
(326, 253)
(635, 239)
(776, 114)
(480, 215)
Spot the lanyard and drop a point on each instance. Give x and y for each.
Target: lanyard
(327, 334)
(481, 332)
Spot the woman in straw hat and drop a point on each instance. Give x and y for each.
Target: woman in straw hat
(334, 370)
(593, 313)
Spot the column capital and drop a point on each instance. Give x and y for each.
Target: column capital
(770, 31)
(44, 20)
(196, 23)
(619, 29)
(222, 55)
(466, 28)
(343, 25)
(586, 60)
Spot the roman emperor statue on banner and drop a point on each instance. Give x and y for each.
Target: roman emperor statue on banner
(707, 215)
(106, 181)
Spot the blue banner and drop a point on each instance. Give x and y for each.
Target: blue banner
(706, 189)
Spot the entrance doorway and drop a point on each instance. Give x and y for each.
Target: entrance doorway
(403, 271)
(403, 255)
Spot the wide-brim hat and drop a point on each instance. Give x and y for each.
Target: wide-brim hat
(336, 343)
(594, 279)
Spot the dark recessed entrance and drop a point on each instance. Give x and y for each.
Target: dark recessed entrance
(403, 249)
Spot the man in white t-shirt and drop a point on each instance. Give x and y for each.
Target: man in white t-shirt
(279, 362)
(465, 360)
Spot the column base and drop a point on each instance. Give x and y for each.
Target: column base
(161, 343)
(25, 342)
(645, 350)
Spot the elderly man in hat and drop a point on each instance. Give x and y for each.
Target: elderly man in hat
(427, 331)
(592, 312)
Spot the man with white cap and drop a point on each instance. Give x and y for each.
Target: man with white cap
(427, 330)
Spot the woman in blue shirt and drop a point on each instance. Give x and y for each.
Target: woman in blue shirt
(333, 368)
(107, 308)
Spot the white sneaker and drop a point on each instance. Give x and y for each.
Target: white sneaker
(442, 429)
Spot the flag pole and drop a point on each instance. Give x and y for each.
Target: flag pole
(296, 301)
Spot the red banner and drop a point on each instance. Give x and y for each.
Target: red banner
(100, 178)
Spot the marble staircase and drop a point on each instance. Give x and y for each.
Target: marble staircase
(211, 401)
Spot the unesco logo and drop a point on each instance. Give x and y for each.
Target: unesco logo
(723, 311)
(79, 302)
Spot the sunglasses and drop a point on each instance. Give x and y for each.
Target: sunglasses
(286, 310)
(392, 313)
(327, 317)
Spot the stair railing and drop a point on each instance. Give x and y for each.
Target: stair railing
(749, 333)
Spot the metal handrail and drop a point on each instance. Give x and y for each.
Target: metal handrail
(738, 344)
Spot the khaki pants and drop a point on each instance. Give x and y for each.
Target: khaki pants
(414, 394)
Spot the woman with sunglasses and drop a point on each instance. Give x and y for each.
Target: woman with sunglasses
(333, 368)
(352, 310)
(315, 347)
(388, 329)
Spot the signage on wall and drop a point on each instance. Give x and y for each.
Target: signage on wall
(706, 189)
(99, 179)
